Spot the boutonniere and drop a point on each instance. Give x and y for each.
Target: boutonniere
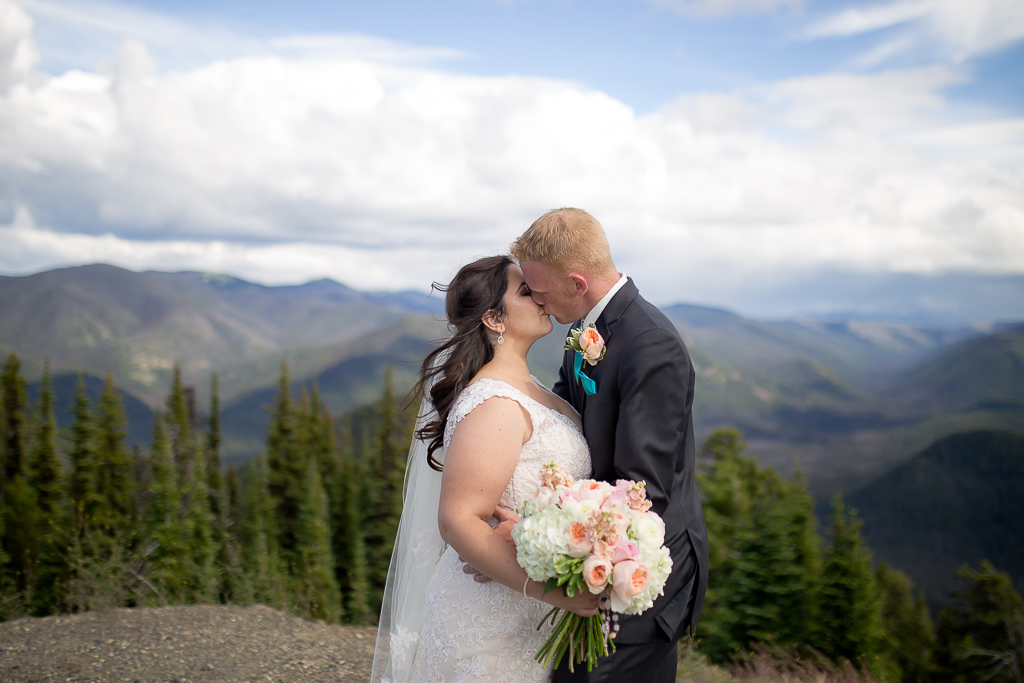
(587, 342)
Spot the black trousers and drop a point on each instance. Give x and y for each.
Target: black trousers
(641, 663)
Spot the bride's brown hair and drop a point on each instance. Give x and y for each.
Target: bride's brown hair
(477, 291)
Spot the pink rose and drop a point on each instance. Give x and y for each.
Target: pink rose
(580, 544)
(591, 490)
(567, 495)
(592, 345)
(596, 572)
(623, 549)
(629, 578)
(615, 497)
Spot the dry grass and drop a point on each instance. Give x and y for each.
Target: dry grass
(762, 666)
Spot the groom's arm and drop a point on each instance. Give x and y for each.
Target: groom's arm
(656, 397)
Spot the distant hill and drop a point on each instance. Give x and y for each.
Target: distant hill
(857, 349)
(984, 373)
(138, 325)
(847, 399)
(958, 501)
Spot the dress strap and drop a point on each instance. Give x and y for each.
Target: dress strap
(481, 390)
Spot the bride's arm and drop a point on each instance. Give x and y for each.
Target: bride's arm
(479, 463)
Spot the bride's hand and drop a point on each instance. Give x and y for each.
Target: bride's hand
(506, 520)
(584, 604)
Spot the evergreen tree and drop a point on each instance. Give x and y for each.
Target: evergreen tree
(264, 562)
(19, 544)
(850, 604)
(23, 537)
(233, 486)
(317, 593)
(6, 584)
(82, 454)
(387, 474)
(179, 426)
(214, 481)
(45, 476)
(320, 441)
(285, 469)
(235, 585)
(115, 478)
(764, 554)
(167, 553)
(981, 638)
(350, 548)
(907, 628)
(201, 537)
(13, 428)
(803, 612)
(729, 483)
(44, 464)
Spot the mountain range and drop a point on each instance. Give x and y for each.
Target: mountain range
(846, 401)
(921, 426)
(956, 502)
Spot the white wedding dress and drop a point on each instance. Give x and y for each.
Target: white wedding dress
(486, 631)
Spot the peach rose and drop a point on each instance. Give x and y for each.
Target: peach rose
(580, 544)
(592, 345)
(591, 490)
(596, 571)
(629, 578)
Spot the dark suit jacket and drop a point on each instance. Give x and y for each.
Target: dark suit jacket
(639, 426)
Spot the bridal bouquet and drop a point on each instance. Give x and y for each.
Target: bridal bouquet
(590, 535)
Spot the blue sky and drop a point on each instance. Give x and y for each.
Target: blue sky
(739, 152)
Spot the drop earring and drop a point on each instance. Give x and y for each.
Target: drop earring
(501, 337)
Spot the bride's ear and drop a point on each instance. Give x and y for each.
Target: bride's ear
(493, 322)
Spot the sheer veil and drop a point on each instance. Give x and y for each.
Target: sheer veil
(418, 547)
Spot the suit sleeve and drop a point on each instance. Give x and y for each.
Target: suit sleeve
(656, 397)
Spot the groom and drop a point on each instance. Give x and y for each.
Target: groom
(637, 422)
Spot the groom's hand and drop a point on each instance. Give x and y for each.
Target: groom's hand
(506, 520)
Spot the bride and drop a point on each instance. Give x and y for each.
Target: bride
(486, 429)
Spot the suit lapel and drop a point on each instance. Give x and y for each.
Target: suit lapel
(606, 327)
(613, 311)
(611, 314)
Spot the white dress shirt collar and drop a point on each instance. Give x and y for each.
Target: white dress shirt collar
(597, 310)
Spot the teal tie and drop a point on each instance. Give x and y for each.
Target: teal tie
(589, 385)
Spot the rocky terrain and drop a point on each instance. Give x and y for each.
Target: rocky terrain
(183, 645)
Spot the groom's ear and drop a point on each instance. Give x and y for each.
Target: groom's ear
(579, 283)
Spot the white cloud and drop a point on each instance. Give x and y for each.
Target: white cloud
(29, 249)
(18, 52)
(725, 8)
(385, 176)
(948, 30)
(369, 48)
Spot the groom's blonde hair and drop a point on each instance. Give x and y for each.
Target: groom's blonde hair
(566, 240)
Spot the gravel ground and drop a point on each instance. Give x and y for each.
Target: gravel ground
(183, 645)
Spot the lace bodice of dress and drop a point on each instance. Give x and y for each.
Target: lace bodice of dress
(555, 437)
(487, 632)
